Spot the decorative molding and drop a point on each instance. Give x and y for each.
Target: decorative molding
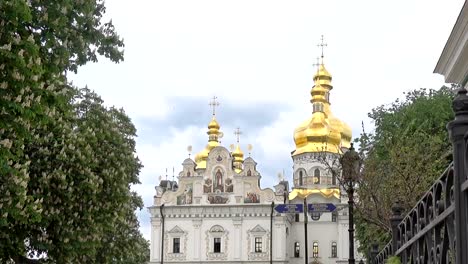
(258, 231)
(175, 232)
(215, 232)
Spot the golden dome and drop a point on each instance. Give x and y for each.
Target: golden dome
(238, 156)
(322, 131)
(213, 135)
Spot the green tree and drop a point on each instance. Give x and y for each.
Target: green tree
(67, 162)
(408, 150)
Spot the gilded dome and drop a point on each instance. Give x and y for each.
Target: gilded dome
(213, 135)
(322, 131)
(238, 156)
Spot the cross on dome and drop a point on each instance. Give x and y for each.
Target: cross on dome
(213, 103)
(321, 45)
(317, 64)
(238, 132)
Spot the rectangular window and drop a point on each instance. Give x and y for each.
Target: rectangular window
(258, 244)
(297, 217)
(315, 250)
(297, 249)
(176, 245)
(333, 250)
(217, 245)
(334, 216)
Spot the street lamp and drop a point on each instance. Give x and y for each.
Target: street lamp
(351, 163)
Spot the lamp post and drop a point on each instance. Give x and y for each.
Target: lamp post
(351, 163)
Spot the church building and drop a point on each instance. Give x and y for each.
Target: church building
(217, 211)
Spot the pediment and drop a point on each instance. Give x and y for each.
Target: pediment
(258, 229)
(176, 230)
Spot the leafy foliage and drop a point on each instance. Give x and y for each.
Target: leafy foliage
(407, 152)
(66, 161)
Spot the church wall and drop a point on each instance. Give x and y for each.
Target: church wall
(237, 227)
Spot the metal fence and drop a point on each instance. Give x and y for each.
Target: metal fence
(435, 230)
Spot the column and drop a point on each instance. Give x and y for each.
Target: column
(237, 241)
(155, 251)
(279, 241)
(196, 238)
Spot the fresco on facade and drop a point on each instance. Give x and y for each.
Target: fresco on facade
(207, 186)
(217, 199)
(218, 182)
(251, 197)
(186, 197)
(229, 186)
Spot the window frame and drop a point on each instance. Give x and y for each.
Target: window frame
(315, 249)
(334, 216)
(297, 249)
(258, 245)
(175, 249)
(217, 241)
(334, 249)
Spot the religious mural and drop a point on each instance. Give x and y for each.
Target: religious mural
(186, 197)
(207, 186)
(229, 186)
(251, 197)
(218, 185)
(217, 199)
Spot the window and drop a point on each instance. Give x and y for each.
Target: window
(217, 245)
(300, 178)
(334, 216)
(176, 245)
(315, 216)
(315, 250)
(333, 250)
(297, 249)
(334, 179)
(317, 176)
(258, 244)
(297, 218)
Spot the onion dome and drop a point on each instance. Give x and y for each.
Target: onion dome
(213, 135)
(322, 131)
(238, 156)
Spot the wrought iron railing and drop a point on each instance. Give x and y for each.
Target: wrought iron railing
(436, 229)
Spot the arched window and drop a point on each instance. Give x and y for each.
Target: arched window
(297, 249)
(317, 176)
(315, 250)
(249, 173)
(334, 179)
(188, 173)
(334, 253)
(301, 177)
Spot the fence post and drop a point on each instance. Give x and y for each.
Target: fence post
(373, 253)
(395, 220)
(457, 129)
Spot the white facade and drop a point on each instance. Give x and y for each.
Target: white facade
(238, 215)
(217, 212)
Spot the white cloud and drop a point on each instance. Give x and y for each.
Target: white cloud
(262, 51)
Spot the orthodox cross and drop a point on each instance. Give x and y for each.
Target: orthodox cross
(214, 104)
(238, 133)
(321, 45)
(317, 64)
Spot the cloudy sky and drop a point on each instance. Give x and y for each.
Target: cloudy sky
(257, 57)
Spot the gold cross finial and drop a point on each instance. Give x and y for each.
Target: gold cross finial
(238, 133)
(213, 103)
(317, 64)
(321, 45)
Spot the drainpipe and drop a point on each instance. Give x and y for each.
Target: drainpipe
(271, 232)
(162, 233)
